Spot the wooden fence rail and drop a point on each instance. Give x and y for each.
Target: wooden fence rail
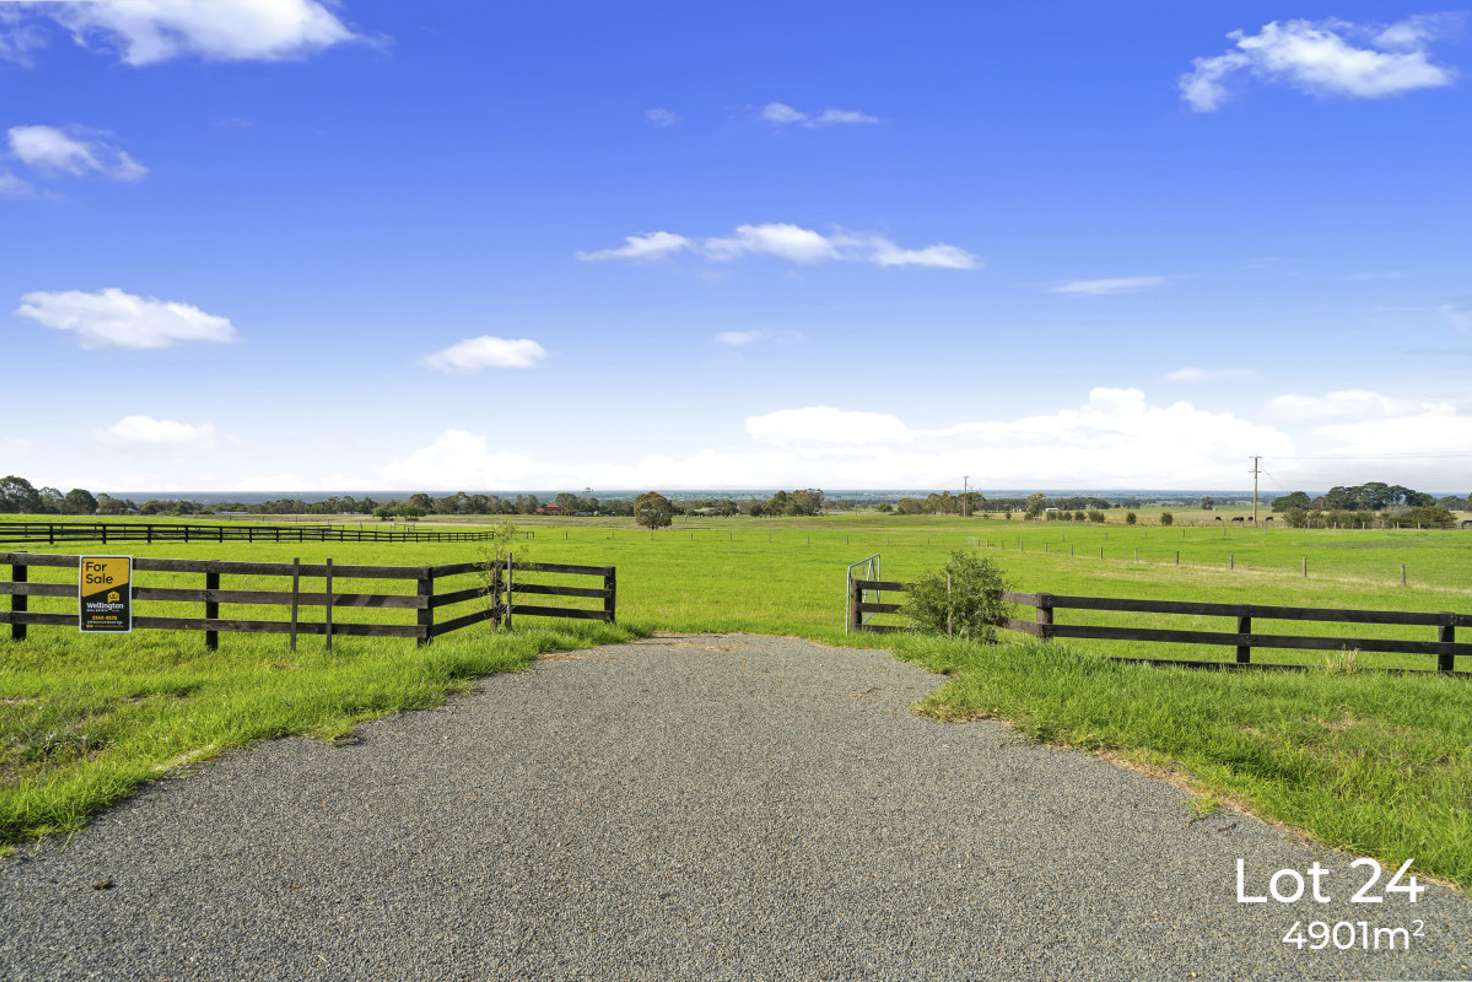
(108, 533)
(1243, 639)
(497, 584)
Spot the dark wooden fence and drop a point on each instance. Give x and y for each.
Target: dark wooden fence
(496, 587)
(106, 533)
(1243, 639)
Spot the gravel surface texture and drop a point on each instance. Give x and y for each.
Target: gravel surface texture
(722, 807)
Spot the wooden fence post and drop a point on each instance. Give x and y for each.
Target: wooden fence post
(296, 589)
(1446, 661)
(327, 584)
(1244, 651)
(610, 587)
(1045, 616)
(19, 602)
(211, 610)
(424, 587)
(855, 598)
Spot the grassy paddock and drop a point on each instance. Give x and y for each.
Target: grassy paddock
(1377, 764)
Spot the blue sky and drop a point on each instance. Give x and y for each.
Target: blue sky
(285, 245)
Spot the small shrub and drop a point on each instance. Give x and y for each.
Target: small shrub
(1130, 518)
(1096, 515)
(963, 598)
(1346, 662)
(1166, 518)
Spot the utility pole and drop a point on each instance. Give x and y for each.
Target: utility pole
(965, 493)
(1256, 469)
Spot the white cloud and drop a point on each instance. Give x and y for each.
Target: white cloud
(18, 38)
(1193, 374)
(1331, 57)
(462, 460)
(12, 186)
(882, 252)
(74, 152)
(792, 243)
(1351, 403)
(474, 354)
(741, 339)
(1460, 315)
(737, 339)
(147, 431)
(786, 241)
(781, 114)
(1109, 285)
(113, 318)
(1432, 429)
(651, 245)
(1116, 439)
(145, 32)
(661, 117)
(826, 425)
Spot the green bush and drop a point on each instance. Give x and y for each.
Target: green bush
(1166, 518)
(1130, 518)
(963, 598)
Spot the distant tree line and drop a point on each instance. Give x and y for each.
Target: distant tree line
(18, 496)
(1371, 505)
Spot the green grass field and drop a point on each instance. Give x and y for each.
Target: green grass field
(1378, 764)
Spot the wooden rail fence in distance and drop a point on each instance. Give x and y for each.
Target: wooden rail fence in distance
(1243, 639)
(109, 533)
(498, 584)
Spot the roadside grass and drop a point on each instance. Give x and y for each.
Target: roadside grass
(85, 723)
(1374, 764)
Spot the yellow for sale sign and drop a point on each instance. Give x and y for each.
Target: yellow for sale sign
(105, 590)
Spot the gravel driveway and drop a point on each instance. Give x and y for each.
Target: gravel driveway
(728, 807)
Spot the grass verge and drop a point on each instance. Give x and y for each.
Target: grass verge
(81, 728)
(1374, 764)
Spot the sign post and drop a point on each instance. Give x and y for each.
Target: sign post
(105, 594)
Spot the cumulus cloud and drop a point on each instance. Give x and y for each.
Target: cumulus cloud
(474, 354)
(781, 114)
(651, 245)
(1109, 285)
(1193, 374)
(661, 117)
(147, 431)
(145, 32)
(1352, 403)
(73, 152)
(1330, 57)
(461, 459)
(1432, 428)
(1117, 438)
(793, 243)
(113, 318)
(819, 425)
(786, 241)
